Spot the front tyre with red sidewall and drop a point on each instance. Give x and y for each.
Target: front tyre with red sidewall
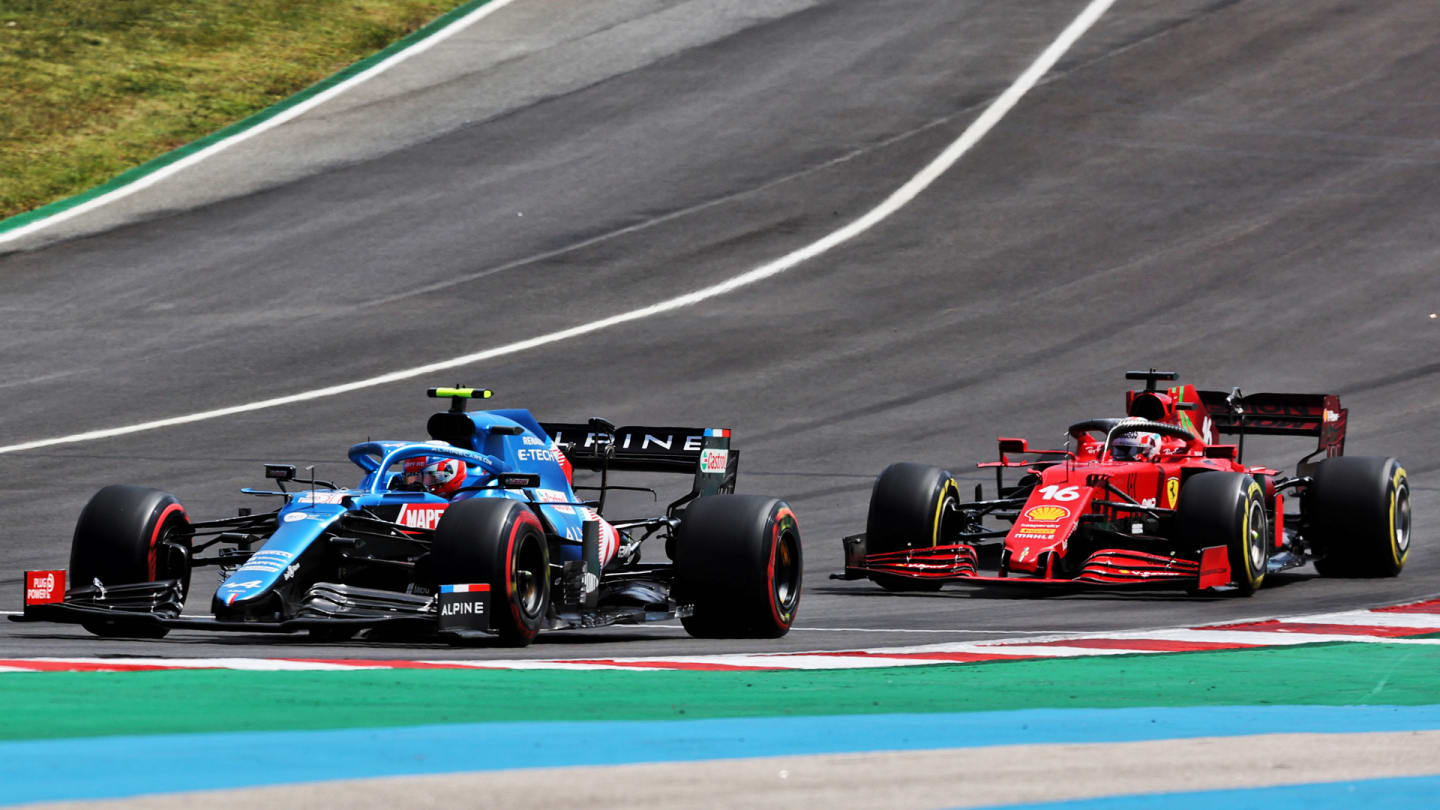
(126, 535)
(501, 543)
(738, 562)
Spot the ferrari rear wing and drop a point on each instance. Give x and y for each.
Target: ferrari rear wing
(1318, 415)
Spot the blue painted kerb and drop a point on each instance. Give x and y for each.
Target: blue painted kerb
(107, 767)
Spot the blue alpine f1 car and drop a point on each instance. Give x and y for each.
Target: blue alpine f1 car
(478, 530)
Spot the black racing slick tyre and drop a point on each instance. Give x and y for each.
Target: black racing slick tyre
(126, 535)
(1222, 508)
(909, 507)
(1357, 516)
(499, 542)
(738, 562)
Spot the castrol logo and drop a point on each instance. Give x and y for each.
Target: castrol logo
(1047, 513)
(713, 461)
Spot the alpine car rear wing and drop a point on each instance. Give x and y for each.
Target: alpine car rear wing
(1318, 415)
(703, 451)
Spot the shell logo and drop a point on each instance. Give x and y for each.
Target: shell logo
(1047, 513)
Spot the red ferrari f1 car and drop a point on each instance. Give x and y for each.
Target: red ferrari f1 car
(1150, 499)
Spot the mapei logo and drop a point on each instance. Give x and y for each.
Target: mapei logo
(1047, 513)
(422, 515)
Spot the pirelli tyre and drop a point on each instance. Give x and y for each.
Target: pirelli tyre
(738, 562)
(1224, 508)
(1357, 516)
(499, 542)
(126, 535)
(910, 507)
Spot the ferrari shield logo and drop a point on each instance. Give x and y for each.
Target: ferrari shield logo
(1172, 492)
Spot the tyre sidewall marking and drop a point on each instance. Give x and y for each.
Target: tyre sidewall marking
(1397, 553)
(946, 487)
(150, 561)
(1252, 494)
(780, 520)
(522, 517)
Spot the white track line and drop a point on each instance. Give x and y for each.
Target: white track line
(240, 137)
(1269, 639)
(915, 630)
(919, 655)
(1423, 620)
(897, 200)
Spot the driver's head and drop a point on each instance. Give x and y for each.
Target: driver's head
(441, 476)
(1135, 447)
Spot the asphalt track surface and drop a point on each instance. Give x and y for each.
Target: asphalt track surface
(1243, 191)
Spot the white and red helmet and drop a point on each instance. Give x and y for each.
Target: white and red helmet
(1135, 447)
(441, 476)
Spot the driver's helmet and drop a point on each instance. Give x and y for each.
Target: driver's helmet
(442, 476)
(1135, 447)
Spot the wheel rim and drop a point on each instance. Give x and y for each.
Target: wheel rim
(948, 515)
(1255, 525)
(1402, 518)
(528, 575)
(787, 572)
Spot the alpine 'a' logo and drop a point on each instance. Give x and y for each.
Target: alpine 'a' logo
(1047, 513)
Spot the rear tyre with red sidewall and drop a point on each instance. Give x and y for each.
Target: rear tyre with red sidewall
(501, 543)
(738, 561)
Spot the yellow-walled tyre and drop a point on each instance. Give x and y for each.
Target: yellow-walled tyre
(1221, 508)
(1357, 516)
(909, 508)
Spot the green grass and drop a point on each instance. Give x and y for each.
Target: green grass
(91, 88)
(37, 706)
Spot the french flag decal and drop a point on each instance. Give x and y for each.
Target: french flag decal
(474, 588)
(718, 433)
